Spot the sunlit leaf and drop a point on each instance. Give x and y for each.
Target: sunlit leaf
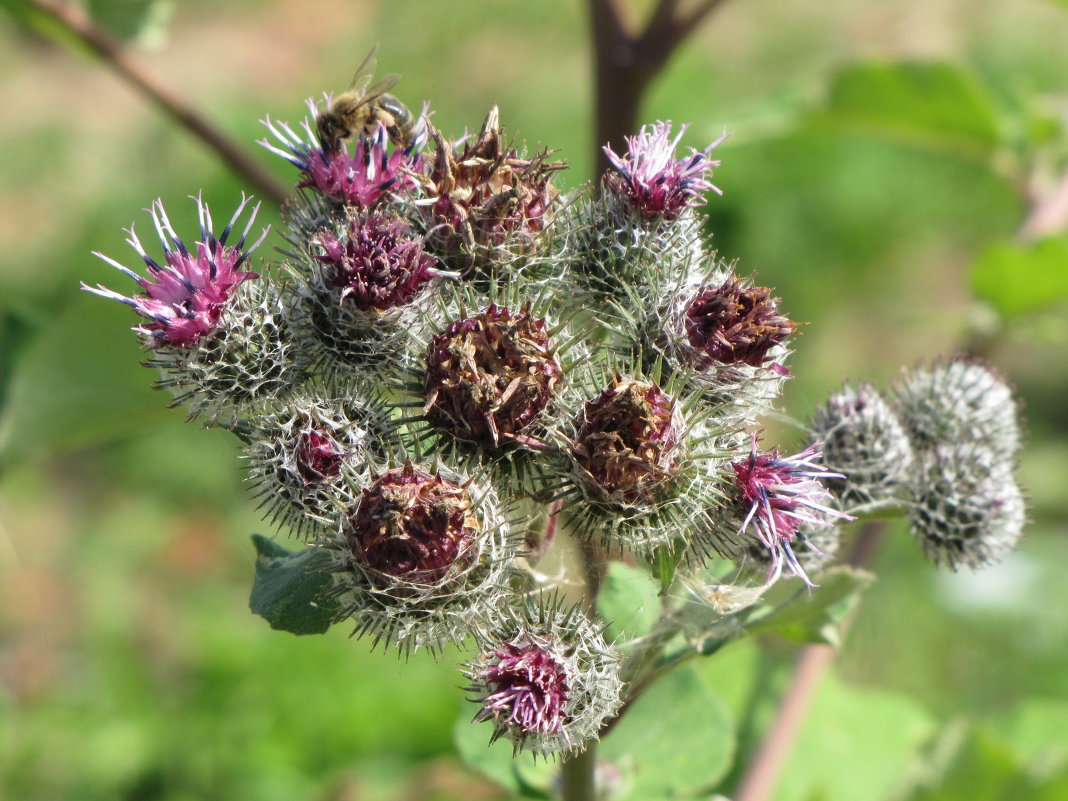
(972, 764)
(628, 602)
(1017, 279)
(144, 20)
(519, 774)
(814, 616)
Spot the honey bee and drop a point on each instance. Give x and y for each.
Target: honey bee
(360, 107)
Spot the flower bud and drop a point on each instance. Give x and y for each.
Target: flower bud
(865, 443)
(958, 402)
(966, 507)
(306, 456)
(546, 679)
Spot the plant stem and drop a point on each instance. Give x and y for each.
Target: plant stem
(76, 19)
(627, 61)
(762, 775)
(577, 773)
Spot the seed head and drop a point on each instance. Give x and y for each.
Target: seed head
(490, 377)
(483, 196)
(732, 324)
(411, 525)
(421, 557)
(185, 297)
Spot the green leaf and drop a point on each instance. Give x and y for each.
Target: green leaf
(676, 740)
(932, 106)
(1036, 728)
(814, 615)
(288, 589)
(16, 332)
(855, 743)
(665, 563)
(977, 765)
(628, 602)
(1017, 279)
(143, 20)
(520, 774)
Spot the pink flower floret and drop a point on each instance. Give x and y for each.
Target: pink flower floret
(653, 180)
(184, 298)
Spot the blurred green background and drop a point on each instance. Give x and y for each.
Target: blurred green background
(885, 155)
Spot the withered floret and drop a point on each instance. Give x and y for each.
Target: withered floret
(413, 526)
(734, 324)
(484, 194)
(626, 439)
(491, 376)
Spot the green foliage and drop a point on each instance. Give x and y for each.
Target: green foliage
(676, 741)
(627, 602)
(1018, 279)
(520, 774)
(927, 105)
(977, 765)
(145, 20)
(814, 616)
(289, 587)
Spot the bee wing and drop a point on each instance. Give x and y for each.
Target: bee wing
(380, 87)
(364, 72)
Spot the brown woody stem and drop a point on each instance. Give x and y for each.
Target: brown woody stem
(76, 19)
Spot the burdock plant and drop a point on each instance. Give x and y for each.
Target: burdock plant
(505, 417)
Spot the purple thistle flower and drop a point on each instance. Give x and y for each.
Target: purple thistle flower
(545, 677)
(378, 265)
(526, 689)
(185, 297)
(781, 495)
(653, 180)
(361, 178)
(318, 456)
